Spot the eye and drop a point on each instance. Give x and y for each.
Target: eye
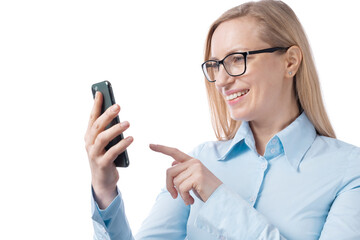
(212, 65)
(237, 58)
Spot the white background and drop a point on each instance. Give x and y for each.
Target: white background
(52, 51)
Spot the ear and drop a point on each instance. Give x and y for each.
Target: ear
(292, 60)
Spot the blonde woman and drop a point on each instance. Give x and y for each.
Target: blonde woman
(277, 170)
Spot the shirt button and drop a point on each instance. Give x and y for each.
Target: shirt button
(274, 141)
(272, 150)
(252, 199)
(263, 166)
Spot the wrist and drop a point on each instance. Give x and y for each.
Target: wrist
(104, 196)
(212, 189)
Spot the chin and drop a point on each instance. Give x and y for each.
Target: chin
(239, 115)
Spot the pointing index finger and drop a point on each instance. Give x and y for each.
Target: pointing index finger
(175, 153)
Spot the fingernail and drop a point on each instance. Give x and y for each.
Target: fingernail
(129, 139)
(115, 108)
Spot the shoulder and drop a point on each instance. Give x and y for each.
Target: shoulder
(337, 154)
(335, 146)
(335, 150)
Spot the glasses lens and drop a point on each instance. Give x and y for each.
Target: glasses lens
(235, 64)
(210, 69)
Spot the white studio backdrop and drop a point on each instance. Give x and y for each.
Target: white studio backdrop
(51, 52)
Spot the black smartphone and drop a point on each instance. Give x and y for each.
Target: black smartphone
(108, 100)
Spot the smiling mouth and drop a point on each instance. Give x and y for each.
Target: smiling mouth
(236, 95)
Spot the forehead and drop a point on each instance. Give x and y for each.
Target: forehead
(239, 34)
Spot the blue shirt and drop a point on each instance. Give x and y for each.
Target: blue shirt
(305, 186)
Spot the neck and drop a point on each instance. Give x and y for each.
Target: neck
(263, 130)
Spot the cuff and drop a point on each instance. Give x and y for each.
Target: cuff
(226, 215)
(103, 216)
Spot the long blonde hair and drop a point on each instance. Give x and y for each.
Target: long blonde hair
(279, 27)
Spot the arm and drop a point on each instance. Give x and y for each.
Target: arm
(167, 220)
(343, 221)
(104, 173)
(110, 223)
(227, 216)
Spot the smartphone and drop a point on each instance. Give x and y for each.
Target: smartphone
(105, 88)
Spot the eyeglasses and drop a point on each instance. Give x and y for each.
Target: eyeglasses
(234, 63)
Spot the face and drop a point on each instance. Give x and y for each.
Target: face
(263, 88)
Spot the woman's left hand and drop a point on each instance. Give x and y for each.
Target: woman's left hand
(187, 174)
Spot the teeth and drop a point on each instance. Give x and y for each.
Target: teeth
(235, 95)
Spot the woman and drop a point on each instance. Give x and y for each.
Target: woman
(277, 171)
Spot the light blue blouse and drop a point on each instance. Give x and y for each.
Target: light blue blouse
(305, 186)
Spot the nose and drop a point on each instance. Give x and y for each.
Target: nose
(223, 78)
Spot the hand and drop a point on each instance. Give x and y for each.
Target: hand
(187, 174)
(103, 170)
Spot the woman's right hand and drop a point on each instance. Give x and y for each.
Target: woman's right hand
(103, 170)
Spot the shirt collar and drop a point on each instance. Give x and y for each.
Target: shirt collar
(296, 139)
(244, 133)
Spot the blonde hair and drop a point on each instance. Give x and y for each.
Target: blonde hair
(279, 27)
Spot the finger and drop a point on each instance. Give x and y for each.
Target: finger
(102, 121)
(106, 136)
(117, 149)
(180, 182)
(184, 189)
(181, 177)
(174, 163)
(176, 154)
(95, 113)
(96, 110)
(172, 173)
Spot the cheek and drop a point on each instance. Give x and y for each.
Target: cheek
(262, 84)
(266, 87)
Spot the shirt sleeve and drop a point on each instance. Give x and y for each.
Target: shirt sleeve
(110, 223)
(167, 219)
(227, 216)
(343, 220)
